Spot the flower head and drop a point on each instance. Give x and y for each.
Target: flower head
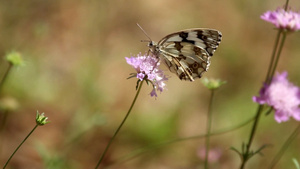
(282, 19)
(41, 119)
(282, 96)
(147, 68)
(15, 58)
(212, 84)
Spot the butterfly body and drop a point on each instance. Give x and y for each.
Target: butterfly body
(187, 53)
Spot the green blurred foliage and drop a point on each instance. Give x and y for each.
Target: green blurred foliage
(75, 72)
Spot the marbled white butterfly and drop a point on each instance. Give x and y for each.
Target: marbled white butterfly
(187, 53)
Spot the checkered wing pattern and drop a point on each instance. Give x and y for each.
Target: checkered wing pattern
(187, 53)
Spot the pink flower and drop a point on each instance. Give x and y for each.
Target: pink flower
(214, 154)
(147, 68)
(282, 19)
(282, 96)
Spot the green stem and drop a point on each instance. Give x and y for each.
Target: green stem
(5, 76)
(271, 70)
(268, 78)
(286, 5)
(20, 146)
(284, 147)
(120, 126)
(3, 121)
(157, 145)
(208, 129)
(270, 75)
(2, 126)
(256, 120)
(278, 55)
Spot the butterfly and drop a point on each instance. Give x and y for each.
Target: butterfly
(187, 53)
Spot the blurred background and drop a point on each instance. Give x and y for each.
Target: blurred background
(75, 71)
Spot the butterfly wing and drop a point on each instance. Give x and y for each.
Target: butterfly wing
(187, 53)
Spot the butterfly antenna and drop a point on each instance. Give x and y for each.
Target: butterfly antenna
(144, 33)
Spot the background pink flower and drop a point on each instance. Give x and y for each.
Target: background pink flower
(282, 19)
(282, 96)
(214, 154)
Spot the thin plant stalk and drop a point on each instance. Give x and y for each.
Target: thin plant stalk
(278, 54)
(120, 126)
(271, 70)
(168, 142)
(20, 145)
(271, 65)
(256, 120)
(3, 121)
(286, 5)
(284, 147)
(2, 126)
(5, 76)
(208, 129)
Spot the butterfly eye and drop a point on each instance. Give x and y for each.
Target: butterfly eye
(150, 44)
